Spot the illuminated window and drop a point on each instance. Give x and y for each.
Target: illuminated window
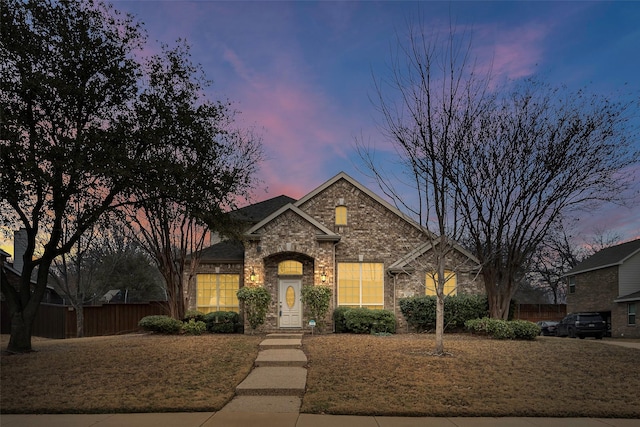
(450, 283)
(217, 292)
(631, 313)
(290, 268)
(341, 215)
(361, 284)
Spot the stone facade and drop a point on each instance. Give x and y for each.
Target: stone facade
(375, 232)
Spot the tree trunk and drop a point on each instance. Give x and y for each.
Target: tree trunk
(20, 340)
(439, 350)
(79, 321)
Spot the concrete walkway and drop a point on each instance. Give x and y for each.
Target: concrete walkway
(277, 383)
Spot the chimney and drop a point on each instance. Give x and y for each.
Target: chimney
(19, 248)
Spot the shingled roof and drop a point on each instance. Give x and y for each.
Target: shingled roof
(258, 211)
(233, 250)
(608, 257)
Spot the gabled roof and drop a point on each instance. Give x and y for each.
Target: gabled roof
(323, 232)
(608, 257)
(404, 264)
(369, 193)
(258, 211)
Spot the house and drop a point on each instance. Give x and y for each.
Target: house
(340, 235)
(609, 283)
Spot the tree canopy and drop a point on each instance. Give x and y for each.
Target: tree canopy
(88, 128)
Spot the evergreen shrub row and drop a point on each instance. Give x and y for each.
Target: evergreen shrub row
(194, 323)
(363, 321)
(420, 311)
(503, 329)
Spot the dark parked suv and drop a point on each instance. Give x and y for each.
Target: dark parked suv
(582, 325)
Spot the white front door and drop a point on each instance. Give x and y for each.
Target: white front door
(290, 305)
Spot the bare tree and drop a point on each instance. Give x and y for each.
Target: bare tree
(498, 163)
(535, 154)
(423, 105)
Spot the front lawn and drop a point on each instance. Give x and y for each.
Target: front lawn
(396, 375)
(347, 374)
(126, 373)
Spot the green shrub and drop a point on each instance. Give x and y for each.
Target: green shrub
(525, 330)
(420, 311)
(222, 322)
(503, 329)
(339, 322)
(365, 321)
(256, 303)
(193, 314)
(160, 324)
(194, 327)
(317, 300)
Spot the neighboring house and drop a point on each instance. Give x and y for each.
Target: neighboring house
(13, 273)
(609, 283)
(341, 235)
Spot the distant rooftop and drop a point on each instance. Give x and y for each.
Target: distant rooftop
(607, 257)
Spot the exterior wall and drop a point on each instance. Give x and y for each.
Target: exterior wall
(630, 275)
(373, 232)
(287, 237)
(595, 291)
(619, 326)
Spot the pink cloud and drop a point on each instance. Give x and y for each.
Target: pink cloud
(293, 116)
(510, 53)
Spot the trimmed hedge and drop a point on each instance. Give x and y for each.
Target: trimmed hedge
(194, 327)
(503, 329)
(223, 322)
(193, 314)
(420, 312)
(364, 321)
(160, 324)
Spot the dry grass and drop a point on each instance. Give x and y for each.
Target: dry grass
(348, 374)
(127, 373)
(396, 375)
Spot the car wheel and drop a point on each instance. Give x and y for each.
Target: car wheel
(581, 337)
(599, 337)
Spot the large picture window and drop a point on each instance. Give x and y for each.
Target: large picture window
(217, 292)
(450, 284)
(361, 284)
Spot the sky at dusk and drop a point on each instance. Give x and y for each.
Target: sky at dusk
(301, 73)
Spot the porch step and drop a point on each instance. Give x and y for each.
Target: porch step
(281, 357)
(274, 381)
(281, 343)
(281, 335)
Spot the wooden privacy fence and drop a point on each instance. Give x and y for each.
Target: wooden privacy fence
(537, 312)
(58, 321)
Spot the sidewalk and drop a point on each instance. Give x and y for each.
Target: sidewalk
(240, 419)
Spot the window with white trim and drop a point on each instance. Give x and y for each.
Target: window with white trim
(361, 284)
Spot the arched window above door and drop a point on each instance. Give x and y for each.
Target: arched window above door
(290, 268)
